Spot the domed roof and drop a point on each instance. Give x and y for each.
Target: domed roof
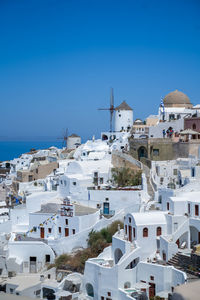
(176, 98)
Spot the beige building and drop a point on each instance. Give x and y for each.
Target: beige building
(39, 170)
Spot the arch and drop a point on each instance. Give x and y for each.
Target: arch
(194, 235)
(158, 231)
(145, 232)
(118, 254)
(104, 137)
(127, 285)
(142, 152)
(89, 289)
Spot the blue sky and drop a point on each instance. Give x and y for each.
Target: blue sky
(58, 60)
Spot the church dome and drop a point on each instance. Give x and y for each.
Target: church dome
(177, 99)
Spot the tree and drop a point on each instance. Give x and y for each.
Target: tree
(126, 177)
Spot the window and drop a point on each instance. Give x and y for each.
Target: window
(194, 126)
(196, 210)
(102, 298)
(145, 232)
(129, 219)
(167, 205)
(66, 221)
(151, 277)
(73, 231)
(47, 258)
(59, 229)
(188, 208)
(160, 199)
(74, 182)
(101, 180)
(158, 231)
(119, 115)
(49, 230)
(133, 232)
(109, 294)
(36, 171)
(155, 152)
(175, 171)
(11, 291)
(95, 174)
(125, 229)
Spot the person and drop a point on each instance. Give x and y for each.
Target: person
(164, 133)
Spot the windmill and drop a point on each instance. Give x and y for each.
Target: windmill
(64, 137)
(111, 108)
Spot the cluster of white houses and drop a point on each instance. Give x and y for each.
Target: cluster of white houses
(52, 199)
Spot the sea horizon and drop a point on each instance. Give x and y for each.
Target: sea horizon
(10, 149)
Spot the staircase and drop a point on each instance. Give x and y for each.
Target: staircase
(184, 263)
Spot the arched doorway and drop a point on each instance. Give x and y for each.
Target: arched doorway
(89, 290)
(118, 255)
(194, 236)
(142, 152)
(104, 137)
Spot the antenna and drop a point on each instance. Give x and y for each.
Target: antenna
(111, 109)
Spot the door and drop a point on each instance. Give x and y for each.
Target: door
(33, 262)
(152, 290)
(66, 231)
(130, 233)
(106, 208)
(42, 232)
(178, 243)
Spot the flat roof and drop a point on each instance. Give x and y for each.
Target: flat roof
(189, 291)
(24, 281)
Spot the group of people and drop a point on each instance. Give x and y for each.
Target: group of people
(169, 132)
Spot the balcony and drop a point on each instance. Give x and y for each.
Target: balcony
(109, 214)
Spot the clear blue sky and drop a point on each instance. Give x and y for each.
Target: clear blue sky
(58, 60)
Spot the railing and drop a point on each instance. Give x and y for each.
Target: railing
(110, 213)
(128, 158)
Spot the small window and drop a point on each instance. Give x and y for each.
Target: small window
(66, 221)
(49, 230)
(74, 182)
(129, 219)
(109, 294)
(102, 298)
(47, 258)
(175, 171)
(194, 126)
(151, 277)
(155, 152)
(133, 232)
(167, 205)
(196, 210)
(95, 174)
(160, 199)
(59, 229)
(119, 115)
(101, 180)
(158, 231)
(11, 291)
(125, 229)
(73, 231)
(188, 208)
(145, 232)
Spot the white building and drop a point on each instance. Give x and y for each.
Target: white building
(73, 141)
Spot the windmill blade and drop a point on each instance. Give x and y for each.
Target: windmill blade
(111, 108)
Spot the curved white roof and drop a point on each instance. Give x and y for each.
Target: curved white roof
(149, 218)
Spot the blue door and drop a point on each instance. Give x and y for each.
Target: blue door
(106, 208)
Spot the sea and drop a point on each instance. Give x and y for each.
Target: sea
(13, 149)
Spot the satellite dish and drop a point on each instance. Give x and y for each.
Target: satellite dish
(59, 276)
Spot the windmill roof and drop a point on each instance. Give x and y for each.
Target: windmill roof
(74, 135)
(123, 106)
